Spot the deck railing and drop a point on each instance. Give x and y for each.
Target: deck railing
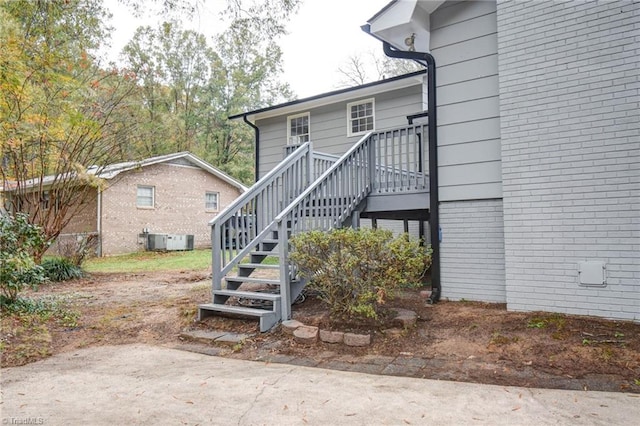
(321, 160)
(312, 191)
(402, 160)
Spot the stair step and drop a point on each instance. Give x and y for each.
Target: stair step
(248, 294)
(257, 266)
(268, 318)
(252, 280)
(240, 310)
(265, 253)
(270, 241)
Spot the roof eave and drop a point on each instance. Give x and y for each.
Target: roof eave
(322, 99)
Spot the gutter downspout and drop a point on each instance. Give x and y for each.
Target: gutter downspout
(257, 151)
(434, 215)
(99, 222)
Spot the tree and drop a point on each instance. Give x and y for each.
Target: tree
(265, 18)
(371, 66)
(245, 76)
(189, 88)
(172, 66)
(59, 111)
(18, 240)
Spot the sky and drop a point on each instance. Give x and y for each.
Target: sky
(322, 36)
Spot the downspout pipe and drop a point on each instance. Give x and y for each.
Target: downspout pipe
(257, 150)
(434, 216)
(99, 221)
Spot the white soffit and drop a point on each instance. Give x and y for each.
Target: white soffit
(399, 20)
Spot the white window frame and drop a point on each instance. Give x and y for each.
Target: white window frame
(289, 137)
(153, 197)
(350, 132)
(206, 201)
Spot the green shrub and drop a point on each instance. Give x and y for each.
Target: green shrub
(60, 269)
(355, 271)
(44, 308)
(19, 239)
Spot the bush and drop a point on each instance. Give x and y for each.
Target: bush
(355, 271)
(19, 239)
(60, 269)
(77, 247)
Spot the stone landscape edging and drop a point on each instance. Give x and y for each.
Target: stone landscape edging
(307, 334)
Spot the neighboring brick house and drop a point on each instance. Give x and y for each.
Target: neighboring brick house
(170, 194)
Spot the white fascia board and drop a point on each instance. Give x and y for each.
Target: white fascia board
(351, 95)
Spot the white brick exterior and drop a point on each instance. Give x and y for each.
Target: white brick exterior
(569, 101)
(472, 250)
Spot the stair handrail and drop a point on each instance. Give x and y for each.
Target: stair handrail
(250, 222)
(345, 196)
(264, 181)
(322, 177)
(321, 162)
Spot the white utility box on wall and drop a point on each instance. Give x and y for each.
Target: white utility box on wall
(592, 274)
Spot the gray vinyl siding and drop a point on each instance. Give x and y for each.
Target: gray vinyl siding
(328, 124)
(570, 96)
(464, 45)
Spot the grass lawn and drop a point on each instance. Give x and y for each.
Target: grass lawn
(151, 261)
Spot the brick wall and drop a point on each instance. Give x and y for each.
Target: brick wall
(83, 221)
(86, 216)
(569, 93)
(472, 250)
(179, 206)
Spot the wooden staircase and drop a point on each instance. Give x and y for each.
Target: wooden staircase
(306, 191)
(252, 283)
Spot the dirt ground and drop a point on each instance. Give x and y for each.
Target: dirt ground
(463, 341)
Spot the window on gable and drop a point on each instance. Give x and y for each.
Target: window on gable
(298, 129)
(360, 117)
(145, 196)
(211, 201)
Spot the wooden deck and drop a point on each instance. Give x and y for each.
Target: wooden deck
(384, 175)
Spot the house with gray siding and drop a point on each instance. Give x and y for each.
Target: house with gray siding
(325, 119)
(525, 160)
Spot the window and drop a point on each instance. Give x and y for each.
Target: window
(211, 201)
(298, 129)
(360, 117)
(145, 196)
(45, 200)
(48, 201)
